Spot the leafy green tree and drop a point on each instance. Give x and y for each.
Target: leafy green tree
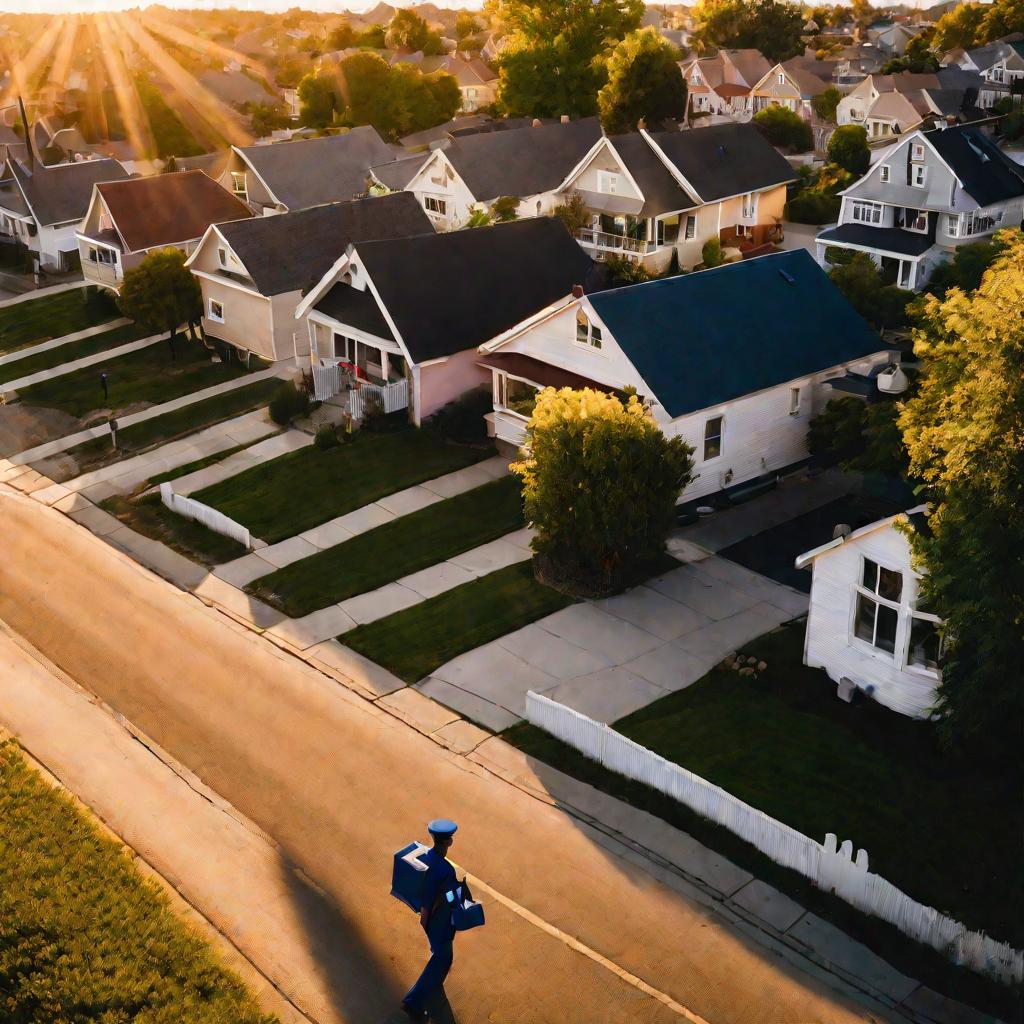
(408, 31)
(373, 37)
(342, 37)
(319, 100)
(784, 128)
(1001, 19)
(826, 104)
(959, 27)
(466, 25)
(711, 253)
(479, 218)
(622, 270)
(644, 81)
(505, 208)
(848, 147)
(918, 57)
(850, 433)
(969, 263)
(161, 294)
(573, 213)
(774, 27)
(553, 63)
(882, 305)
(264, 118)
(600, 483)
(964, 431)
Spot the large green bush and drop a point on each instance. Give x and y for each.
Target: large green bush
(848, 147)
(813, 208)
(288, 403)
(785, 129)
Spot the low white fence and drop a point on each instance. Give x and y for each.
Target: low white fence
(392, 397)
(326, 381)
(831, 867)
(209, 517)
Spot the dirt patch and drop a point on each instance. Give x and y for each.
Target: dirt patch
(25, 426)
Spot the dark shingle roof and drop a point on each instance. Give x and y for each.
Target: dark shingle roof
(315, 171)
(357, 309)
(454, 291)
(987, 173)
(662, 193)
(398, 173)
(785, 320)
(906, 243)
(523, 161)
(725, 160)
(168, 208)
(292, 251)
(62, 193)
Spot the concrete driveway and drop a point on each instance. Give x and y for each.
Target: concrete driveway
(611, 657)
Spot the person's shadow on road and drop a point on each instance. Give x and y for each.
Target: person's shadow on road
(439, 1011)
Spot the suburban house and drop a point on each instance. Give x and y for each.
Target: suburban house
(891, 37)
(721, 84)
(650, 194)
(126, 219)
(739, 381)
(928, 194)
(253, 271)
(478, 82)
(402, 319)
(1000, 75)
(288, 176)
(41, 207)
(471, 171)
(865, 625)
(793, 84)
(890, 105)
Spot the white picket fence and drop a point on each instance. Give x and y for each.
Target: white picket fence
(326, 381)
(831, 866)
(392, 397)
(209, 517)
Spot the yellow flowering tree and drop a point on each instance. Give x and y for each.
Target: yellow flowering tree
(964, 432)
(600, 481)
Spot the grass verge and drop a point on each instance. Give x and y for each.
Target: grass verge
(394, 550)
(51, 316)
(149, 375)
(303, 489)
(84, 934)
(72, 351)
(152, 518)
(413, 642)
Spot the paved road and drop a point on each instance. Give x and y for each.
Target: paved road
(340, 787)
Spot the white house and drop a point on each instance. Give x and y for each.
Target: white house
(738, 379)
(865, 623)
(926, 195)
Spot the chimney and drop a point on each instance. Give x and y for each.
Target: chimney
(564, 119)
(577, 291)
(535, 123)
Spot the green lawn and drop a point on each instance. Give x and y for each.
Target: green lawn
(51, 316)
(83, 935)
(72, 351)
(303, 489)
(415, 641)
(932, 825)
(394, 550)
(152, 518)
(147, 376)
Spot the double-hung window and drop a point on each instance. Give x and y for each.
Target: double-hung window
(713, 437)
(918, 175)
(883, 174)
(878, 602)
(607, 182)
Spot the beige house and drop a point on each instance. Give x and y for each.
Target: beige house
(793, 84)
(253, 272)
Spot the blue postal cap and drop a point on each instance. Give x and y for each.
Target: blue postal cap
(442, 827)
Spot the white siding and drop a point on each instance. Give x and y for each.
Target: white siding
(830, 644)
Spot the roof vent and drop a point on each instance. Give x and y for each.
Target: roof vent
(786, 276)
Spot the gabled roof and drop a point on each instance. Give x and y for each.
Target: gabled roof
(703, 339)
(315, 171)
(917, 517)
(455, 291)
(662, 193)
(62, 193)
(724, 160)
(167, 208)
(398, 173)
(988, 175)
(750, 63)
(357, 309)
(523, 161)
(811, 76)
(292, 251)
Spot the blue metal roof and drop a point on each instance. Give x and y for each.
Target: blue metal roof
(702, 339)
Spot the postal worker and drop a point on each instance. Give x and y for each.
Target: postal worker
(435, 918)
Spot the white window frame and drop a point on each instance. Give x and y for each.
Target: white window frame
(222, 256)
(217, 318)
(690, 228)
(588, 334)
(720, 437)
(910, 666)
(607, 182)
(917, 152)
(919, 171)
(862, 592)
(435, 205)
(864, 211)
(953, 225)
(782, 78)
(749, 206)
(921, 215)
(884, 174)
(240, 184)
(794, 401)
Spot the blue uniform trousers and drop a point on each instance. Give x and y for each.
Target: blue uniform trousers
(441, 936)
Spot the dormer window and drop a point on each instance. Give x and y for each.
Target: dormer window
(587, 333)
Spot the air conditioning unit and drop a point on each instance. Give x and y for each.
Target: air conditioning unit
(892, 380)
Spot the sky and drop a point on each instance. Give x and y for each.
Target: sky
(86, 6)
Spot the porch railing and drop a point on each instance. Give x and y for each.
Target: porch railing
(616, 243)
(392, 397)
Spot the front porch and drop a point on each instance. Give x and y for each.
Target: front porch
(616, 232)
(904, 258)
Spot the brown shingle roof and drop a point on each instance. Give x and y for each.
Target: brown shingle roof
(168, 209)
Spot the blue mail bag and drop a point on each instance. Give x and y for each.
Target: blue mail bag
(466, 914)
(407, 875)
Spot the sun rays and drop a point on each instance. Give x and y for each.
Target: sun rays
(121, 47)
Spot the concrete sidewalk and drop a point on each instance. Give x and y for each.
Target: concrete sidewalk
(38, 293)
(62, 444)
(67, 339)
(80, 364)
(276, 556)
(612, 657)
